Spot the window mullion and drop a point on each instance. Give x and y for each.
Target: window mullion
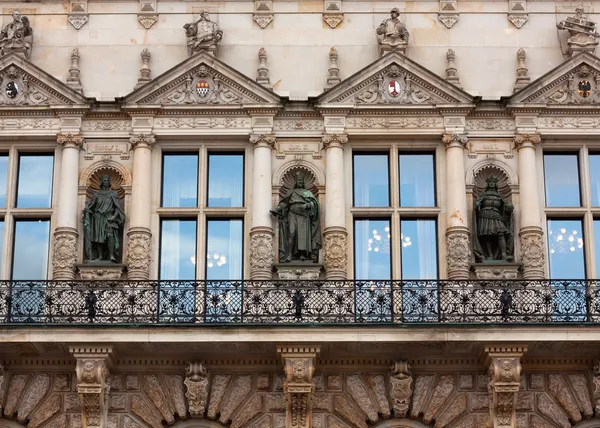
(589, 246)
(201, 246)
(585, 177)
(11, 191)
(395, 245)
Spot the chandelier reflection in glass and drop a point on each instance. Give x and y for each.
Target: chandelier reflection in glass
(212, 259)
(380, 243)
(562, 241)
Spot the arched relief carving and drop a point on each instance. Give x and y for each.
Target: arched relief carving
(284, 171)
(486, 171)
(288, 181)
(500, 168)
(120, 178)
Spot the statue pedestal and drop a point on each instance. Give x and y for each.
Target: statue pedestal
(22, 51)
(297, 270)
(385, 48)
(496, 270)
(98, 271)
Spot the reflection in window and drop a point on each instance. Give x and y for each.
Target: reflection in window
(35, 181)
(595, 179)
(224, 245)
(180, 181)
(561, 175)
(565, 245)
(371, 180)
(3, 179)
(1, 240)
(178, 249)
(30, 250)
(419, 249)
(225, 180)
(417, 187)
(597, 245)
(372, 250)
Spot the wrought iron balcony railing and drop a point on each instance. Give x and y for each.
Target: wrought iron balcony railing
(79, 303)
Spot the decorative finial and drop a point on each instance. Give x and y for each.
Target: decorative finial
(333, 77)
(73, 80)
(522, 78)
(451, 70)
(263, 71)
(145, 69)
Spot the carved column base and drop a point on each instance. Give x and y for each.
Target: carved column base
(532, 252)
(335, 255)
(262, 253)
(64, 255)
(458, 252)
(139, 241)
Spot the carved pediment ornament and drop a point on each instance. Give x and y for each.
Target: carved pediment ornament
(580, 86)
(16, 89)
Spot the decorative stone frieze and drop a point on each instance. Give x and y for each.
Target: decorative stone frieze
(583, 36)
(147, 13)
(332, 13)
(92, 369)
(517, 12)
(145, 69)
(335, 254)
(451, 70)
(263, 13)
(73, 80)
(78, 13)
(263, 71)
(448, 14)
(400, 386)
(196, 382)
(298, 367)
(504, 363)
(333, 73)
(262, 253)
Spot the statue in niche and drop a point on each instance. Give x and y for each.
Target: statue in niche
(299, 224)
(17, 35)
(202, 34)
(493, 225)
(392, 34)
(103, 219)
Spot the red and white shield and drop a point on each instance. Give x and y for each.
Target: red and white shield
(394, 88)
(202, 88)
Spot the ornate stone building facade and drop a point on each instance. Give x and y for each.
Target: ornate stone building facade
(300, 214)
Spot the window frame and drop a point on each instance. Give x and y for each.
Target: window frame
(391, 257)
(389, 174)
(12, 250)
(433, 155)
(19, 155)
(162, 175)
(580, 176)
(209, 153)
(160, 244)
(243, 252)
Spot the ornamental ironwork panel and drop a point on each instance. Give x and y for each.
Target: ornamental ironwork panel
(379, 302)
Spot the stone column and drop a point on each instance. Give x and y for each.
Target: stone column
(504, 362)
(458, 248)
(531, 232)
(64, 254)
(139, 235)
(92, 369)
(298, 367)
(262, 250)
(335, 236)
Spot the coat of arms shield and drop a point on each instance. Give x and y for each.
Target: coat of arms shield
(202, 88)
(394, 88)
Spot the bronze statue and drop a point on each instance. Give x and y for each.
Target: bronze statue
(299, 224)
(16, 35)
(103, 220)
(202, 34)
(493, 225)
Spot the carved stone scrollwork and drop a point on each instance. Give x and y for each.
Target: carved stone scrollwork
(64, 256)
(334, 140)
(92, 371)
(532, 252)
(267, 140)
(505, 378)
(451, 139)
(596, 391)
(401, 388)
(138, 253)
(142, 140)
(458, 253)
(262, 253)
(336, 253)
(298, 367)
(70, 140)
(196, 382)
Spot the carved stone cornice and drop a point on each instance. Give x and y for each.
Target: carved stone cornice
(453, 139)
(400, 385)
(526, 140)
(334, 140)
(263, 140)
(196, 382)
(142, 141)
(298, 367)
(505, 378)
(92, 369)
(70, 140)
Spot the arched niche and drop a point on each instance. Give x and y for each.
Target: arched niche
(198, 424)
(284, 176)
(401, 423)
(120, 178)
(594, 423)
(5, 423)
(478, 173)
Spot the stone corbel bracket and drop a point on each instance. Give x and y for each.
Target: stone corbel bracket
(78, 13)
(92, 369)
(504, 362)
(332, 13)
(448, 14)
(147, 14)
(263, 13)
(196, 382)
(517, 12)
(298, 367)
(400, 387)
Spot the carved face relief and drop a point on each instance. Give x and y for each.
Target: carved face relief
(584, 88)
(12, 90)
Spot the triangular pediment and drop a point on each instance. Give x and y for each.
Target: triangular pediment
(202, 80)
(394, 79)
(24, 85)
(574, 82)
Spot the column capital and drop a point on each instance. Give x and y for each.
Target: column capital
(142, 140)
(70, 140)
(334, 140)
(263, 140)
(454, 139)
(526, 140)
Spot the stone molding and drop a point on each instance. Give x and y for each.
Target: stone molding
(526, 140)
(454, 139)
(147, 13)
(335, 253)
(64, 254)
(448, 14)
(196, 382)
(458, 252)
(504, 362)
(262, 253)
(139, 242)
(517, 12)
(298, 367)
(334, 140)
(142, 140)
(332, 13)
(532, 252)
(400, 385)
(70, 140)
(263, 140)
(263, 13)
(78, 13)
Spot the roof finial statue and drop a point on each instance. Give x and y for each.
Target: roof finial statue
(203, 35)
(17, 36)
(392, 34)
(582, 33)
(263, 71)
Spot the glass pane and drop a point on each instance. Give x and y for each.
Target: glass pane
(3, 178)
(180, 181)
(178, 249)
(1, 241)
(561, 175)
(372, 250)
(565, 245)
(417, 188)
(371, 181)
(597, 245)
(419, 249)
(224, 250)
(226, 180)
(35, 181)
(30, 254)
(595, 179)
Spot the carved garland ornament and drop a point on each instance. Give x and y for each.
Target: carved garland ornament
(458, 252)
(65, 252)
(262, 252)
(138, 253)
(336, 251)
(532, 251)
